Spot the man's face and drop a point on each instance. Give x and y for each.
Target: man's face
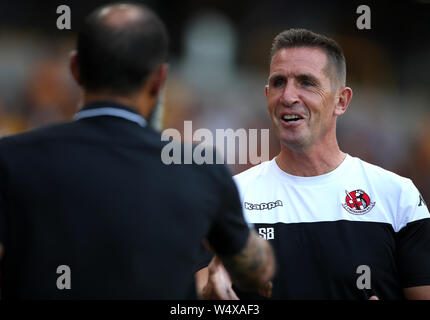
(300, 98)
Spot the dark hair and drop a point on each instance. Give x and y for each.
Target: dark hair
(293, 38)
(118, 58)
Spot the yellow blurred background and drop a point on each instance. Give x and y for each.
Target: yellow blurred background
(219, 60)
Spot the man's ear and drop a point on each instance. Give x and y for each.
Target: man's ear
(343, 99)
(158, 79)
(74, 68)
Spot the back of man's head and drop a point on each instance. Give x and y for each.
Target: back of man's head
(293, 38)
(118, 47)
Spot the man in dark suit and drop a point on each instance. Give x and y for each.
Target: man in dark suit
(89, 210)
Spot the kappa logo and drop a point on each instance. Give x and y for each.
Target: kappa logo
(263, 206)
(357, 202)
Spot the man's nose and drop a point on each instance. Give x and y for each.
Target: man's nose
(289, 95)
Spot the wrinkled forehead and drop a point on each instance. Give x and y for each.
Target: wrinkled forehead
(300, 60)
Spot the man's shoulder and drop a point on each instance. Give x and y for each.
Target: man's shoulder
(392, 184)
(252, 174)
(401, 191)
(34, 135)
(379, 174)
(96, 131)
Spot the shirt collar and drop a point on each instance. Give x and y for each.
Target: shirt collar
(109, 108)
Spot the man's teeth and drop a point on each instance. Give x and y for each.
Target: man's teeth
(291, 117)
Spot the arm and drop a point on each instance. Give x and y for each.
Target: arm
(214, 283)
(247, 259)
(417, 293)
(253, 267)
(251, 270)
(413, 244)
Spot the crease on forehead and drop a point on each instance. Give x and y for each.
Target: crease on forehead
(306, 55)
(303, 58)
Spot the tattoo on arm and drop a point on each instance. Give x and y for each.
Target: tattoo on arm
(253, 266)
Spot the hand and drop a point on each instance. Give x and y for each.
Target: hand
(266, 291)
(373, 298)
(219, 283)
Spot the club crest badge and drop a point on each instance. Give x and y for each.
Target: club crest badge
(357, 202)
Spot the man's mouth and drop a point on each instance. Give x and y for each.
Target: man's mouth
(291, 118)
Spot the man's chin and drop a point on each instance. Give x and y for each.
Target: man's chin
(293, 143)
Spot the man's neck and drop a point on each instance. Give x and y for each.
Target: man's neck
(313, 161)
(93, 97)
(127, 101)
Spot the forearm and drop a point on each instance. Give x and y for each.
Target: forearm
(254, 266)
(201, 279)
(417, 293)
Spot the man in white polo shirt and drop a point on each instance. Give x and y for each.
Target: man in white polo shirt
(341, 228)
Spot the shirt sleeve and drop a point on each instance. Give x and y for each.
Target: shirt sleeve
(230, 231)
(413, 238)
(205, 258)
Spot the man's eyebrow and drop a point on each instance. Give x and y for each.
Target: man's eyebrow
(301, 77)
(308, 77)
(275, 76)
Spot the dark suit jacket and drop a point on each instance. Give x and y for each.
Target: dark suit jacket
(94, 195)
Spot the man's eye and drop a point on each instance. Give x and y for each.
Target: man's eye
(278, 83)
(307, 83)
